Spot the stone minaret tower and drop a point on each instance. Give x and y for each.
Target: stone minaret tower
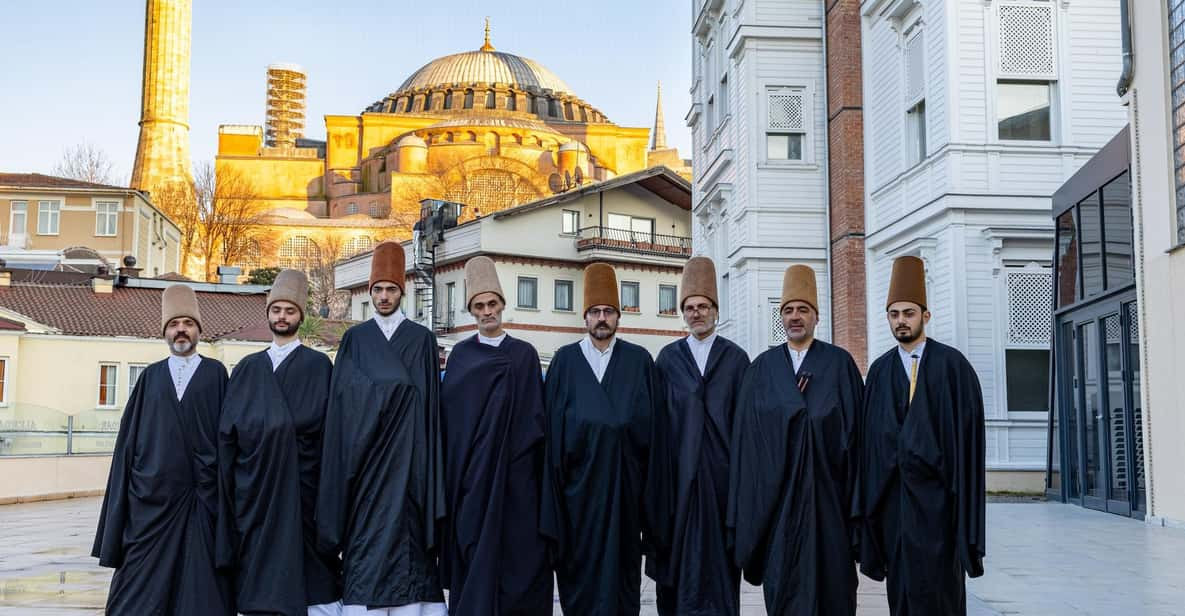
(660, 126)
(162, 155)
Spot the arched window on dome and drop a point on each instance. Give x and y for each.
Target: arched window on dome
(427, 102)
(491, 100)
(357, 244)
(468, 99)
(410, 100)
(583, 114)
(512, 102)
(568, 111)
(553, 109)
(448, 99)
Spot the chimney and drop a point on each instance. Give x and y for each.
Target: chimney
(5, 275)
(103, 285)
(229, 274)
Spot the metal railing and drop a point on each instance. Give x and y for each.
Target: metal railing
(32, 430)
(625, 240)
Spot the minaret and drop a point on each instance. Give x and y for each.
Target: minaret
(162, 154)
(660, 127)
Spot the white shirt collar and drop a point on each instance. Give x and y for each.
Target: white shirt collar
(907, 356)
(496, 341)
(389, 323)
(701, 349)
(797, 357)
(597, 359)
(278, 353)
(182, 370)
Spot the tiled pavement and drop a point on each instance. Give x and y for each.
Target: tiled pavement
(1043, 560)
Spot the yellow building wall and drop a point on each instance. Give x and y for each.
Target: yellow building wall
(287, 180)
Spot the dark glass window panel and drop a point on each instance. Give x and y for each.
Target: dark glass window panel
(1117, 218)
(1090, 242)
(1113, 416)
(1133, 350)
(1096, 427)
(1024, 111)
(1027, 379)
(1067, 259)
(1072, 419)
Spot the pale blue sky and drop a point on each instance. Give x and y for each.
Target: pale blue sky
(70, 70)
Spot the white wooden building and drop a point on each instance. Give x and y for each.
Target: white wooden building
(976, 111)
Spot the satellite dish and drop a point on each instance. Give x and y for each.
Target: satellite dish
(554, 183)
(567, 179)
(579, 176)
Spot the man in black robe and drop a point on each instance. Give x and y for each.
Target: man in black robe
(269, 460)
(158, 518)
(701, 375)
(380, 501)
(922, 462)
(602, 395)
(794, 465)
(493, 559)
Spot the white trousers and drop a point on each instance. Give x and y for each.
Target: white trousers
(414, 609)
(326, 609)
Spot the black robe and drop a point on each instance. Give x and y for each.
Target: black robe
(693, 569)
(595, 478)
(269, 460)
(157, 523)
(794, 470)
(381, 496)
(493, 559)
(922, 493)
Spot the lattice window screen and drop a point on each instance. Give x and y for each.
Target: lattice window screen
(786, 109)
(915, 69)
(1114, 330)
(1026, 40)
(1030, 306)
(777, 333)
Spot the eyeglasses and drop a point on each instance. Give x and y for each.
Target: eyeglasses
(698, 309)
(602, 312)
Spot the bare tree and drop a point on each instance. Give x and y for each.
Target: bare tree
(231, 220)
(87, 163)
(179, 203)
(322, 291)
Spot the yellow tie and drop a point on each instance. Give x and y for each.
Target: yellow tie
(913, 376)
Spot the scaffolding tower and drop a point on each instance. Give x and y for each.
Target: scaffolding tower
(286, 84)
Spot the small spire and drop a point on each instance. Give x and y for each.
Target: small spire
(487, 46)
(660, 126)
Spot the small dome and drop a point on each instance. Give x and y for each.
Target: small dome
(573, 145)
(411, 141)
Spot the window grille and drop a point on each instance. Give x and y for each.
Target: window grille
(1030, 306)
(1026, 40)
(777, 332)
(786, 109)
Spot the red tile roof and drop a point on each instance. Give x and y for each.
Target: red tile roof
(75, 308)
(37, 180)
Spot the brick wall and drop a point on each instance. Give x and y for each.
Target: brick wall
(845, 127)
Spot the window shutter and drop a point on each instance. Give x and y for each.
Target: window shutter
(777, 333)
(1026, 40)
(786, 109)
(1030, 305)
(915, 69)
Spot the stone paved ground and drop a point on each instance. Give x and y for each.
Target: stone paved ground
(1043, 560)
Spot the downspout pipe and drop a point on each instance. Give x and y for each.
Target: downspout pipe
(1125, 32)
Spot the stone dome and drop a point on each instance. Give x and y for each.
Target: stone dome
(411, 141)
(485, 67)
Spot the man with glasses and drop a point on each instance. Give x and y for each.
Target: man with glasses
(601, 396)
(701, 376)
(794, 462)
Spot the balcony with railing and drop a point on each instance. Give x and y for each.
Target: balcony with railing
(635, 242)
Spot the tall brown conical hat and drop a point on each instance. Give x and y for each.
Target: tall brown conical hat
(481, 276)
(798, 283)
(908, 283)
(388, 264)
(600, 287)
(177, 301)
(699, 278)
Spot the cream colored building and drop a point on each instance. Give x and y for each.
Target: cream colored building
(639, 223)
(71, 349)
(1156, 140)
(45, 221)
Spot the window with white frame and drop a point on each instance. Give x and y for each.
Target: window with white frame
(365, 310)
(1026, 347)
(528, 292)
(630, 297)
(3, 381)
(571, 222)
(106, 218)
(134, 373)
(915, 96)
(450, 294)
(18, 218)
(785, 130)
(630, 228)
(563, 295)
(668, 297)
(108, 385)
(49, 215)
(709, 88)
(1026, 70)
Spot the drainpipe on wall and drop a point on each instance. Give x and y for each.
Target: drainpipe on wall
(1125, 32)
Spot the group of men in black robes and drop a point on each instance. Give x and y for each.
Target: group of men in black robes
(369, 486)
